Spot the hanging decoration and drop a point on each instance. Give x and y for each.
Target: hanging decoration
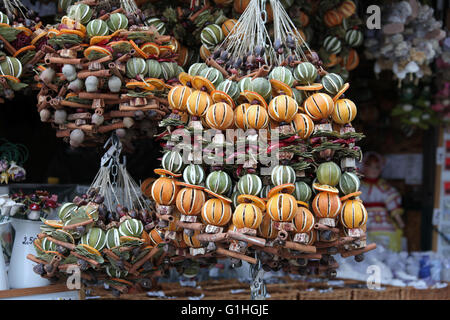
(12, 158)
(408, 43)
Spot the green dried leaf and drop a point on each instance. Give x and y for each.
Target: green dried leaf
(16, 86)
(27, 56)
(64, 39)
(10, 34)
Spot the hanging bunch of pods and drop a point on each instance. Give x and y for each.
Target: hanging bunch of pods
(221, 204)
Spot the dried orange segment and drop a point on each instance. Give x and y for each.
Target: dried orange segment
(164, 172)
(341, 92)
(188, 185)
(280, 88)
(311, 87)
(97, 39)
(185, 78)
(199, 83)
(24, 49)
(150, 48)
(97, 49)
(283, 188)
(218, 196)
(325, 188)
(91, 249)
(39, 37)
(76, 32)
(53, 32)
(27, 31)
(351, 195)
(220, 96)
(247, 198)
(254, 98)
(138, 50)
(139, 84)
(157, 83)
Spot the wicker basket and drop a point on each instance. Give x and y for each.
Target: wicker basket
(337, 294)
(410, 293)
(388, 293)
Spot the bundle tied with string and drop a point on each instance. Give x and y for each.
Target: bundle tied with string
(104, 232)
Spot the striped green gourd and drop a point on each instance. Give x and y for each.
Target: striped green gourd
(218, 182)
(172, 161)
(80, 12)
(211, 35)
(194, 174)
(354, 38)
(48, 245)
(229, 87)
(249, 184)
(261, 86)
(244, 84)
(349, 183)
(158, 24)
(234, 197)
(302, 191)
(213, 75)
(196, 68)
(95, 238)
(282, 174)
(4, 18)
(115, 273)
(332, 83)
(282, 74)
(332, 44)
(154, 68)
(112, 238)
(135, 67)
(305, 73)
(328, 173)
(97, 27)
(11, 66)
(131, 228)
(169, 70)
(66, 210)
(264, 193)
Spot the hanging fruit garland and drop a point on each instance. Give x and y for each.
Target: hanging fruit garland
(103, 73)
(250, 85)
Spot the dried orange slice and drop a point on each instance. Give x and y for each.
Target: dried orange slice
(185, 78)
(199, 83)
(188, 185)
(21, 50)
(70, 23)
(38, 243)
(145, 237)
(128, 283)
(77, 32)
(53, 252)
(157, 83)
(97, 49)
(246, 198)
(54, 223)
(116, 33)
(12, 78)
(39, 37)
(138, 50)
(303, 204)
(164, 172)
(282, 188)
(220, 96)
(218, 196)
(279, 88)
(41, 67)
(91, 249)
(341, 92)
(351, 195)
(5, 25)
(53, 32)
(139, 84)
(164, 49)
(150, 48)
(27, 31)
(97, 39)
(325, 188)
(311, 87)
(128, 239)
(253, 97)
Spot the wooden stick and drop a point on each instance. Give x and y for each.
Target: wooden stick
(73, 226)
(236, 255)
(91, 261)
(139, 263)
(111, 127)
(107, 15)
(299, 247)
(213, 63)
(351, 253)
(62, 133)
(117, 258)
(101, 60)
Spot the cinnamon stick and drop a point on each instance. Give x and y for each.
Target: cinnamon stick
(147, 257)
(351, 253)
(107, 15)
(35, 259)
(73, 226)
(101, 60)
(91, 261)
(212, 237)
(99, 73)
(299, 247)
(213, 63)
(11, 50)
(67, 245)
(112, 255)
(59, 60)
(260, 242)
(191, 226)
(235, 255)
(110, 127)
(319, 226)
(94, 95)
